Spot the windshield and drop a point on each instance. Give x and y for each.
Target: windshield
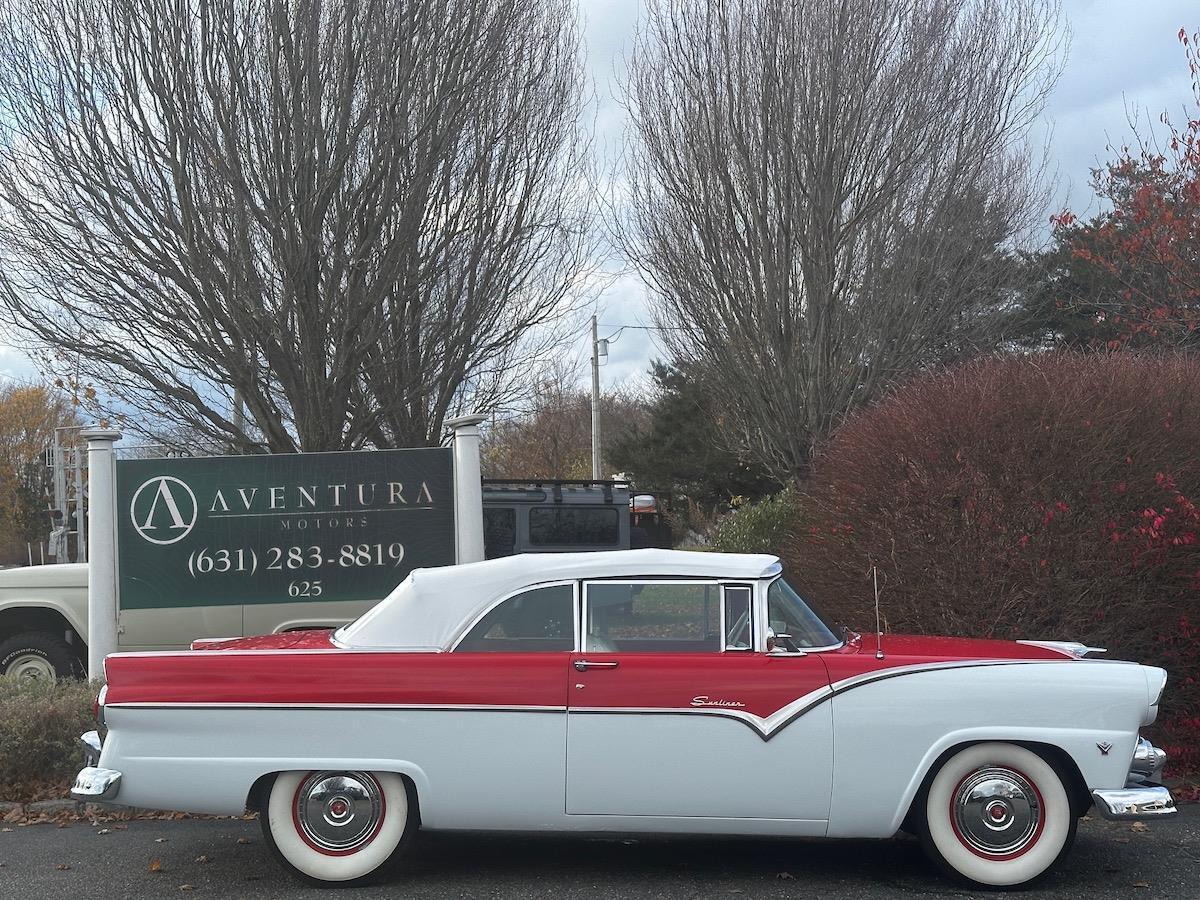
(787, 613)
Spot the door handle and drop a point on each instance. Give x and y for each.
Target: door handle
(582, 665)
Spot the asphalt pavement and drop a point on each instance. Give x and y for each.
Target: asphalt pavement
(227, 858)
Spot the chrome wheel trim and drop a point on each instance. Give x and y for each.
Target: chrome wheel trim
(31, 667)
(338, 812)
(997, 812)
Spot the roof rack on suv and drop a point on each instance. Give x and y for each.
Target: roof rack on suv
(556, 485)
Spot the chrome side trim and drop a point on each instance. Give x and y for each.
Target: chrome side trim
(95, 785)
(1073, 649)
(254, 704)
(1135, 803)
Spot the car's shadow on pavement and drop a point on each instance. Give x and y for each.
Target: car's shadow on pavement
(1108, 859)
(227, 858)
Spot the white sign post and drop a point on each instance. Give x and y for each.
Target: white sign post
(468, 491)
(102, 547)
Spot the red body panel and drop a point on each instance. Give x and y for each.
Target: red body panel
(306, 668)
(746, 682)
(339, 677)
(949, 648)
(316, 639)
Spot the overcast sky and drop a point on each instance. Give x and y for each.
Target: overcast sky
(1123, 55)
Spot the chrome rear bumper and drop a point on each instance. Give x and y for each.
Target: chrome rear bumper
(94, 784)
(1143, 796)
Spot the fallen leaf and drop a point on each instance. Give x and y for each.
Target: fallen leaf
(160, 840)
(103, 831)
(1141, 884)
(62, 867)
(155, 866)
(1139, 826)
(185, 887)
(243, 840)
(202, 859)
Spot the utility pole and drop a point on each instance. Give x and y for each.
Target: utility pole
(595, 401)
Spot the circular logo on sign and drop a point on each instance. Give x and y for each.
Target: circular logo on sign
(163, 510)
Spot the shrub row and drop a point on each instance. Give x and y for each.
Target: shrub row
(1046, 497)
(1042, 497)
(760, 527)
(39, 726)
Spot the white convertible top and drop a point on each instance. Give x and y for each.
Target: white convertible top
(429, 609)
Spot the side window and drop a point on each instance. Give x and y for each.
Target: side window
(652, 617)
(499, 531)
(737, 619)
(542, 619)
(571, 526)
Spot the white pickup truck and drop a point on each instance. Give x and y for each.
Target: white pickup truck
(44, 620)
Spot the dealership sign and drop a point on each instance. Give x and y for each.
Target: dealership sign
(264, 529)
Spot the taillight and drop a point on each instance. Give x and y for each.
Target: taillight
(98, 706)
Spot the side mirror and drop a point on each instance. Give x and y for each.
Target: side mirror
(776, 639)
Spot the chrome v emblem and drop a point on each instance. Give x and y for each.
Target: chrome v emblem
(1103, 747)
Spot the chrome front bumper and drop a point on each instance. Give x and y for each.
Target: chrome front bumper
(1143, 796)
(94, 784)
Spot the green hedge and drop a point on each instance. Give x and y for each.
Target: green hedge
(762, 527)
(40, 724)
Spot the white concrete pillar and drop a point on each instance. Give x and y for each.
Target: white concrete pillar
(102, 547)
(468, 491)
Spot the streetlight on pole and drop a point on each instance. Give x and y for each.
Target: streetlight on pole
(598, 348)
(599, 354)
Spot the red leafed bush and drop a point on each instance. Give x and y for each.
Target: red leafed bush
(1051, 497)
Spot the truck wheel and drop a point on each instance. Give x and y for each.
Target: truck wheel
(37, 656)
(997, 815)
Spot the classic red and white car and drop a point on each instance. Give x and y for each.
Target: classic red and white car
(631, 691)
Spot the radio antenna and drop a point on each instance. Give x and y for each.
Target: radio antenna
(878, 629)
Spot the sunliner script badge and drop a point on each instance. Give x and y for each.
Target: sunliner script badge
(705, 700)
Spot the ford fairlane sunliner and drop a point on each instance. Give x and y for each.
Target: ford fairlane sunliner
(631, 691)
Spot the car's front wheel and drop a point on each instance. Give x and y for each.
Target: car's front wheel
(997, 815)
(332, 827)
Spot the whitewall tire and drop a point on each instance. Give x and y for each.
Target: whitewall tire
(997, 815)
(337, 827)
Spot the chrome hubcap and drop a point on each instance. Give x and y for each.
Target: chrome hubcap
(996, 812)
(31, 667)
(339, 811)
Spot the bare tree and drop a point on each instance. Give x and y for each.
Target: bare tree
(549, 435)
(819, 190)
(291, 226)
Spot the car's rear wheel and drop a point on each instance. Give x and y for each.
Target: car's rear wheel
(337, 827)
(997, 815)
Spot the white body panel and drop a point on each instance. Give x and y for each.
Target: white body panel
(888, 733)
(698, 765)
